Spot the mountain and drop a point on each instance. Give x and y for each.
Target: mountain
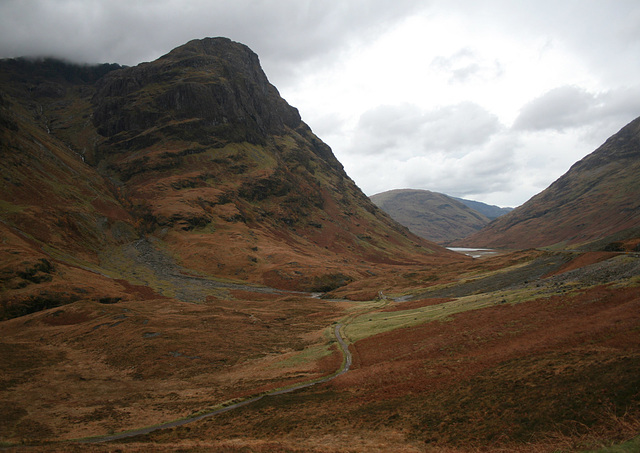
(156, 225)
(488, 210)
(193, 157)
(431, 215)
(596, 204)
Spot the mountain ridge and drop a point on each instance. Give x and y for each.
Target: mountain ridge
(135, 247)
(598, 197)
(432, 215)
(490, 211)
(196, 151)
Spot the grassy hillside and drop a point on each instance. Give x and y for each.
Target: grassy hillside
(195, 152)
(431, 215)
(596, 201)
(153, 223)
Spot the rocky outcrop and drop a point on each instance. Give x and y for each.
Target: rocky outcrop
(198, 152)
(211, 87)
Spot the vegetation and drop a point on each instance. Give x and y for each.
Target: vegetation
(165, 231)
(586, 208)
(626, 447)
(433, 216)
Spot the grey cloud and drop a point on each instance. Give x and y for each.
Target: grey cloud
(605, 35)
(557, 109)
(485, 170)
(621, 102)
(399, 119)
(465, 65)
(573, 107)
(458, 126)
(488, 170)
(286, 32)
(459, 149)
(406, 130)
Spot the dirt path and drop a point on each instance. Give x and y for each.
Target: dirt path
(346, 364)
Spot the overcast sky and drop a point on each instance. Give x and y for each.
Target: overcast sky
(489, 100)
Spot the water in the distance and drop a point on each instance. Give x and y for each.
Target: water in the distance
(474, 253)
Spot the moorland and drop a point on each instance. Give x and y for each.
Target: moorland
(181, 254)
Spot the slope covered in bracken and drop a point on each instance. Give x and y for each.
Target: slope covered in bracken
(195, 157)
(596, 202)
(129, 199)
(56, 212)
(143, 211)
(527, 352)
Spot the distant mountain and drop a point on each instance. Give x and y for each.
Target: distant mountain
(431, 215)
(488, 210)
(195, 155)
(596, 204)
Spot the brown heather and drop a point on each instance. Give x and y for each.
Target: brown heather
(164, 229)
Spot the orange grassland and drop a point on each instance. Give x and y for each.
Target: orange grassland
(525, 372)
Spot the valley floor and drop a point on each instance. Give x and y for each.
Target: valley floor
(528, 351)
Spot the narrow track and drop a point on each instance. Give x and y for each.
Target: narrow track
(346, 364)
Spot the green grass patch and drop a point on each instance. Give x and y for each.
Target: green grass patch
(70, 259)
(632, 446)
(369, 324)
(10, 208)
(307, 355)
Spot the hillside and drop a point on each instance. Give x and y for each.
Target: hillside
(596, 204)
(210, 154)
(488, 210)
(431, 215)
(196, 154)
(185, 266)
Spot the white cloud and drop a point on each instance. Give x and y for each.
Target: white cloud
(466, 65)
(408, 93)
(406, 131)
(571, 107)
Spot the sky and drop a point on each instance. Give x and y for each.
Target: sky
(490, 101)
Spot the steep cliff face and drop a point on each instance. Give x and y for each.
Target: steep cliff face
(211, 87)
(597, 201)
(196, 153)
(208, 153)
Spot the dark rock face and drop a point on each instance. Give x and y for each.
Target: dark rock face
(214, 85)
(196, 151)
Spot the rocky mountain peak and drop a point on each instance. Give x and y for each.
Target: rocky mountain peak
(213, 86)
(195, 154)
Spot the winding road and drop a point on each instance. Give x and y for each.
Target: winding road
(346, 364)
